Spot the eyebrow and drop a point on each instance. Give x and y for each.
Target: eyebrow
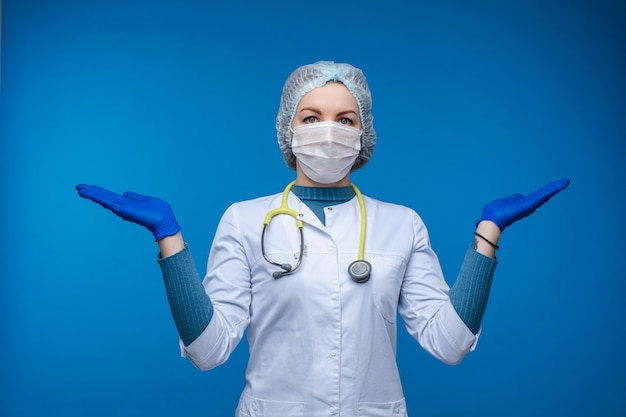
(309, 109)
(314, 110)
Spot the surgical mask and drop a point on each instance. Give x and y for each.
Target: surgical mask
(326, 151)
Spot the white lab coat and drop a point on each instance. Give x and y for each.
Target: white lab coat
(321, 344)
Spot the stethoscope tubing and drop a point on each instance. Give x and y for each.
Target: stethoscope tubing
(359, 270)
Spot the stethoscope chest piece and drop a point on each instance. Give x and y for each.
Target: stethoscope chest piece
(360, 271)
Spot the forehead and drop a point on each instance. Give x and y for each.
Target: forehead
(330, 95)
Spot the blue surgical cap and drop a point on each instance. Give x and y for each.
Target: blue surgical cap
(308, 77)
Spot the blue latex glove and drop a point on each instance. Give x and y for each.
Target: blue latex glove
(508, 210)
(150, 212)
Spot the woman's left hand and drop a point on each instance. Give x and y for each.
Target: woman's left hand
(506, 211)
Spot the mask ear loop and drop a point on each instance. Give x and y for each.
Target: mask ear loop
(291, 133)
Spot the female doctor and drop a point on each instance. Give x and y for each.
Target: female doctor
(317, 273)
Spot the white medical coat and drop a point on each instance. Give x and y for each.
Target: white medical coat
(321, 344)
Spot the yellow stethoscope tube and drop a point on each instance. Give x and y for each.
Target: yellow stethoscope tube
(359, 270)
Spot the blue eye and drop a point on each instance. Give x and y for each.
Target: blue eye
(345, 121)
(310, 119)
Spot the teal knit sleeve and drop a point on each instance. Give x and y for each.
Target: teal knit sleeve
(190, 305)
(470, 292)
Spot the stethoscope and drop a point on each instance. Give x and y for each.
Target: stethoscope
(359, 270)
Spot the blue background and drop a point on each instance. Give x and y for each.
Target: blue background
(472, 101)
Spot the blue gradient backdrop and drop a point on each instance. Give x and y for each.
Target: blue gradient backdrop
(472, 101)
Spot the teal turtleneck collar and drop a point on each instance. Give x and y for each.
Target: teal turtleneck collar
(316, 198)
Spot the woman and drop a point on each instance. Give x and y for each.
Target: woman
(320, 301)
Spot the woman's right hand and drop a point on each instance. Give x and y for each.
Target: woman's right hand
(152, 213)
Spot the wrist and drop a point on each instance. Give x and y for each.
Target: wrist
(490, 230)
(171, 245)
(486, 238)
